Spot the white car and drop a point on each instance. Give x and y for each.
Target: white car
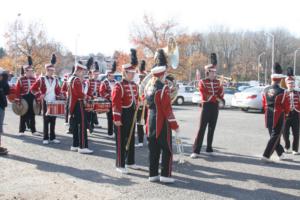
(228, 95)
(250, 98)
(185, 94)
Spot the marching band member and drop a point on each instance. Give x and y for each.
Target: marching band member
(23, 92)
(4, 91)
(211, 91)
(64, 91)
(78, 120)
(105, 91)
(160, 122)
(292, 121)
(142, 112)
(93, 92)
(275, 108)
(124, 105)
(47, 89)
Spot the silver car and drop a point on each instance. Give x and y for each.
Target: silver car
(250, 98)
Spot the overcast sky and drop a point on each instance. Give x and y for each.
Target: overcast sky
(103, 26)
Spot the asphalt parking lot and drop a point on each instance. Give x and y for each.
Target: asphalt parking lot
(35, 171)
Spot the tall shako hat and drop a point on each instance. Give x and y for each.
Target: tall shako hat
(161, 65)
(130, 67)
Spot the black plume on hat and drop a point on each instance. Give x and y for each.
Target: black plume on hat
(53, 59)
(80, 62)
(29, 60)
(161, 58)
(96, 66)
(134, 60)
(89, 63)
(277, 68)
(213, 59)
(22, 71)
(114, 66)
(73, 68)
(289, 71)
(142, 66)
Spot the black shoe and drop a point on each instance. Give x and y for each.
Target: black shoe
(3, 151)
(209, 150)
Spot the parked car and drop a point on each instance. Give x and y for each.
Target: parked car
(243, 87)
(228, 95)
(185, 94)
(250, 98)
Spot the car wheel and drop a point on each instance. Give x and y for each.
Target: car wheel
(222, 104)
(245, 109)
(179, 100)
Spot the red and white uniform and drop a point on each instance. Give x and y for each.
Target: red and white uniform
(162, 102)
(124, 95)
(93, 88)
(48, 87)
(211, 90)
(23, 86)
(274, 104)
(64, 86)
(106, 88)
(292, 99)
(76, 88)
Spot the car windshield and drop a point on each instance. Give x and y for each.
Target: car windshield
(229, 91)
(189, 89)
(254, 89)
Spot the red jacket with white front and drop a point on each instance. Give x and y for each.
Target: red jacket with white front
(211, 90)
(292, 99)
(160, 109)
(275, 105)
(93, 89)
(75, 92)
(39, 87)
(23, 86)
(124, 95)
(106, 88)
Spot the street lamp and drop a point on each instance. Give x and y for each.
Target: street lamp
(16, 53)
(76, 46)
(273, 47)
(295, 59)
(258, 65)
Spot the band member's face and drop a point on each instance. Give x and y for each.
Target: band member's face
(95, 75)
(29, 73)
(211, 74)
(130, 75)
(110, 76)
(80, 73)
(291, 86)
(50, 72)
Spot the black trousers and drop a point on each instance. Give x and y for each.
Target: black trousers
(67, 111)
(122, 136)
(110, 122)
(48, 120)
(29, 116)
(95, 118)
(292, 121)
(162, 144)
(78, 124)
(90, 120)
(209, 117)
(140, 126)
(274, 141)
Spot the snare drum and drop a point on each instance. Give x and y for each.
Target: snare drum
(101, 106)
(88, 106)
(56, 108)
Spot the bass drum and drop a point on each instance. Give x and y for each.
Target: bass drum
(170, 80)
